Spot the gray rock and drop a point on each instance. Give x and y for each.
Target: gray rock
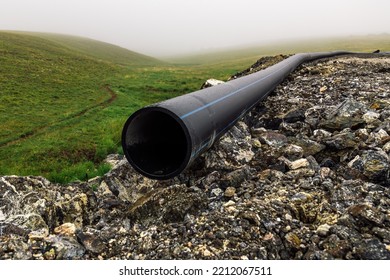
(273, 139)
(321, 133)
(232, 151)
(294, 115)
(366, 214)
(315, 114)
(92, 241)
(301, 197)
(293, 152)
(309, 147)
(170, 204)
(342, 141)
(336, 247)
(216, 192)
(371, 249)
(373, 164)
(371, 117)
(347, 114)
(386, 147)
(19, 248)
(66, 248)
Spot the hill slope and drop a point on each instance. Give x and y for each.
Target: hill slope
(44, 81)
(100, 50)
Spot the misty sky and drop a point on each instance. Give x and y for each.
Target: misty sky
(169, 27)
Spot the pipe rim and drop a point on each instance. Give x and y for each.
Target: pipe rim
(188, 149)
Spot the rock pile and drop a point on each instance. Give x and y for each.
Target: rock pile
(304, 176)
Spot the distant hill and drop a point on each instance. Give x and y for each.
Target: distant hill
(97, 49)
(367, 43)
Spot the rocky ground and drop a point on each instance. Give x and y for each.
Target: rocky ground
(304, 176)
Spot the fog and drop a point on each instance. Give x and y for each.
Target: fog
(171, 27)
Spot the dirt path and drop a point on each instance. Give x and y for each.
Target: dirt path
(39, 129)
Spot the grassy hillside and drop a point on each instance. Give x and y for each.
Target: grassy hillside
(62, 111)
(100, 50)
(353, 43)
(43, 82)
(44, 87)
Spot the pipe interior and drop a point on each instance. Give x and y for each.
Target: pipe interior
(156, 144)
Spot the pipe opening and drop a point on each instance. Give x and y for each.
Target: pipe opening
(156, 143)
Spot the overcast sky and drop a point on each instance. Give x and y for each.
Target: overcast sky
(168, 27)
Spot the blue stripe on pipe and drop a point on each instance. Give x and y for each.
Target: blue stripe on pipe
(230, 94)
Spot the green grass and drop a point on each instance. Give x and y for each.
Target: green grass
(58, 116)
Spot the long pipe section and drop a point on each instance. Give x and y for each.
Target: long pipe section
(163, 139)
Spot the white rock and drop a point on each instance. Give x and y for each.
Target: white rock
(381, 134)
(294, 100)
(38, 234)
(323, 230)
(326, 172)
(299, 163)
(362, 133)
(246, 155)
(386, 147)
(258, 131)
(370, 116)
(350, 164)
(2, 216)
(211, 83)
(103, 189)
(229, 203)
(294, 150)
(321, 133)
(67, 229)
(206, 253)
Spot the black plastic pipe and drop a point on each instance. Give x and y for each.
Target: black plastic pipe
(163, 139)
